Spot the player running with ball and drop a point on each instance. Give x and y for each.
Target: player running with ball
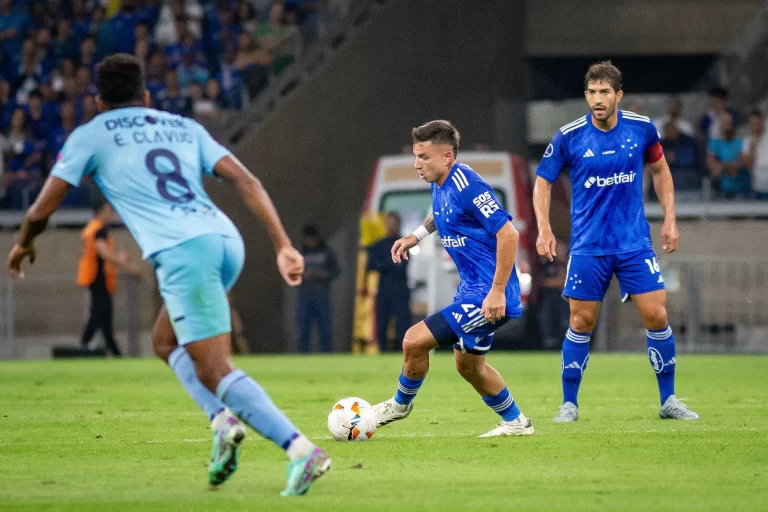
(477, 233)
(606, 151)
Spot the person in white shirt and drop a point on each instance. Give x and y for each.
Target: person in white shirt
(755, 154)
(674, 110)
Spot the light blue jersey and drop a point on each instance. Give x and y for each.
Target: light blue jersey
(150, 166)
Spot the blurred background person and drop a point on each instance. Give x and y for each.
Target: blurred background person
(554, 311)
(97, 271)
(314, 303)
(393, 296)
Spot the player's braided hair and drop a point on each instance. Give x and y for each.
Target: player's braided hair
(438, 132)
(120, 80)
(603, 71)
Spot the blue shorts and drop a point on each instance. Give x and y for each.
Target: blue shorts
(194, 278)
(589, 276)
(462, 325)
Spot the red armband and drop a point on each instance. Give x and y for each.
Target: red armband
(654, 153)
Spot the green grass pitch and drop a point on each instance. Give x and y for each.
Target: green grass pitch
(122, 435)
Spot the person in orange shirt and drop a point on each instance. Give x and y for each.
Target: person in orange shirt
(97, 271)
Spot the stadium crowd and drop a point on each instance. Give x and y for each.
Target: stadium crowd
(205, 56)
(202, 57)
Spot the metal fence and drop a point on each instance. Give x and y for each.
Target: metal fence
(44, 310)
(715, 304)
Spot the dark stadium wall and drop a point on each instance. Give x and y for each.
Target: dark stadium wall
(416, 60)
(633, 27)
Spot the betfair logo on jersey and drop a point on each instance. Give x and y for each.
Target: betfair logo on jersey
(449, 241)
(616, 179)
(486, 204)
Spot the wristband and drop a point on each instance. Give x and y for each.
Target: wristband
(421, 233)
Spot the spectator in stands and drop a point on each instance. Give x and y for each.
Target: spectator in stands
(14, 24)
(190, 71)
(729, 178)
(7, 104)
(674, 115)
(72, 93)
(718, 107)
(25, 167)
(249, 55)
(123, 24)
(28, 75)
(755, 154)
(314, 300)
(84, 81)
(221, 34)
(253, 64)
(37, 125)
(172, 99)
(213, 93)
(309, 17)
(59, 133)
(45, 56)
(230, 80)
(174, 51)
(142, 50)
(90, 109)
(166, 31)
(98, 18)
(393, 298)
(280, 39)
(64, 46)
(682, 153)
(156, 74)
(246, 16)
(202, 107)
(88, 54)
(81, 22)
(141, 32)
(50, 105)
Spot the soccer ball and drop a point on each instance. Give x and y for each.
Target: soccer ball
(352, 419)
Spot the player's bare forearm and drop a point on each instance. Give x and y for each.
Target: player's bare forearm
(665, 188)
(35, 221)
(506, 250)
(255, 198)
(429, 224)
(542, 197)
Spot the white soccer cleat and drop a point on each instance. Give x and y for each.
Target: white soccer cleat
(568, 412)
(674, 409)
(389, 411)
(520, 426)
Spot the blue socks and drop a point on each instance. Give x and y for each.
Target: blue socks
(252, 404)
(407, 389)
(182, 365)
(575, 356)
(503, 404)
(661, 353)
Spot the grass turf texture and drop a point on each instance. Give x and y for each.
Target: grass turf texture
(123, 435)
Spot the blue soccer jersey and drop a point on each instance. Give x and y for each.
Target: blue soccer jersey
(468, 215)
(606, 171)
(150, 166)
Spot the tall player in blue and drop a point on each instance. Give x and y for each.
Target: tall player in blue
(150, 166)
(606, 151)
(477, 233)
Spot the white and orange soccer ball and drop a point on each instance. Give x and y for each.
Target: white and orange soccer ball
(352, 419)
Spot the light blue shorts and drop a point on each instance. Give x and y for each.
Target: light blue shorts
(194, 278)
